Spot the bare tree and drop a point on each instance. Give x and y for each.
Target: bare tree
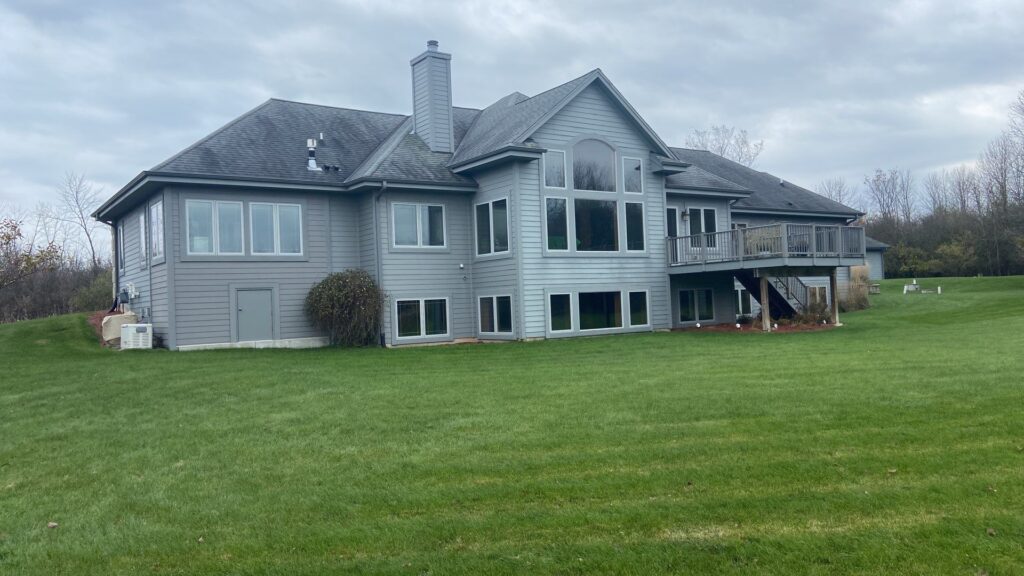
(937, 191)
(78, 199)
(836, 189)
(727, 141)
(19, 259)
(963, 186)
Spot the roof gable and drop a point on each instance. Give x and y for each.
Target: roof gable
(514, 118)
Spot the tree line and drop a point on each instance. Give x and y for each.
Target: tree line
(55, 259)
(961, 221)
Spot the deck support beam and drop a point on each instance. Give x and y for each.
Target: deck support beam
(766, 317)
(833, 281)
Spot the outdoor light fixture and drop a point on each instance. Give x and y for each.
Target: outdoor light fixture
(698, 324)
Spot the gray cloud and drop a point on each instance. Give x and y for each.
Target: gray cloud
(835, 88)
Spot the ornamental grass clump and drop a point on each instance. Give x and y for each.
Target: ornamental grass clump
(346, 306)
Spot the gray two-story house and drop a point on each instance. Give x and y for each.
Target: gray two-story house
(561, 214)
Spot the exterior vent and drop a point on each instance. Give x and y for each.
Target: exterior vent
(311, 163)
(136, 336)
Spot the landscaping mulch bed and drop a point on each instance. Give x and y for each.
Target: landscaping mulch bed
(96, 321)
(757, 329)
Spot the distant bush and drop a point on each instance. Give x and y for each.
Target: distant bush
(857, 294)
(97, 295)
(347, 307)
(814, 313)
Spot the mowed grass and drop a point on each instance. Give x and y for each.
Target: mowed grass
(894, 445)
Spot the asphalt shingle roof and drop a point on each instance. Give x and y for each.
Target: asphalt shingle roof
(695, 177)
(768, 192)
(872, 244)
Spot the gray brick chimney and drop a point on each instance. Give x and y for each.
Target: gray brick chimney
(432, 98)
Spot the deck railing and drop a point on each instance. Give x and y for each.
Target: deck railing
(782, 240)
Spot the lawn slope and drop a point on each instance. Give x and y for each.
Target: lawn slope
(892, 445)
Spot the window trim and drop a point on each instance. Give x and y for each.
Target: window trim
(419, 227)
(739, 303)
(494, 311)
(215, 227)
(643, 225)
(675, 217)
(143, 241)
(629, 304)
(155, 230)
(490, 219)
(550, 317)
(622, 312)
(423, 319)
(275, 230)
(643, 188)
(544, 170)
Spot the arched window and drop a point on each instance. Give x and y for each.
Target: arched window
(593, 166)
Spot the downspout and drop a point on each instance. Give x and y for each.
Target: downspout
(376, 246)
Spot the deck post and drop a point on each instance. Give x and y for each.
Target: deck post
(833, 280)
(766, 317)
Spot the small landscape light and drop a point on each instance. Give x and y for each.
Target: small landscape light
(737, 325)
(698, 324)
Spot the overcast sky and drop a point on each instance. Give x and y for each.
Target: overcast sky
(834, 88)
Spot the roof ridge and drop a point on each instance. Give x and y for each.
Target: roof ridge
(209, 136)
(386, 148)
(580, 77)
(287, 101)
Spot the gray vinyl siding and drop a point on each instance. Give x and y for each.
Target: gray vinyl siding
(415, 273)
(136, 269)
(366, 236)
(345, 233)
(158, 274)
(203, 286)
(496, 275)
(590, 114)
(722, 283)
(683, 202)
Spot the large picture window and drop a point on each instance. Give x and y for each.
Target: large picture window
(554, 169)
(276, 229)
(418, 225)
(496, 315)
(156, 230)
(492, 227)
(213, 227)
(599, 310)
(423, 317)
(593, 166)
(696, 305)
(597, 225)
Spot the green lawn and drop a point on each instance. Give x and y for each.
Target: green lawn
(894, 445)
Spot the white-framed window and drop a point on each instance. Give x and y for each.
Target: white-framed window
(556, 223)
(554, 169)
(143, 240)
(703, 221)
(696, 305)
(120, 245)
(214, 227)
(275, 229)
(560, 312)
(156, 229)
(638, 315)
(418, 225)
(422, 317)
(495, 314)
(743, 305)
(597, 225)
(492, 227)
(593, 166)
(632, 175)
(636, 227)
(599, 310)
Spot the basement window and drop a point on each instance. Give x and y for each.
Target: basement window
(496, 315)
(696, 305)
(422, 317)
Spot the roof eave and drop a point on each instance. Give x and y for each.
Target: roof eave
(512, 152)
(796, 212)
(702, 191)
